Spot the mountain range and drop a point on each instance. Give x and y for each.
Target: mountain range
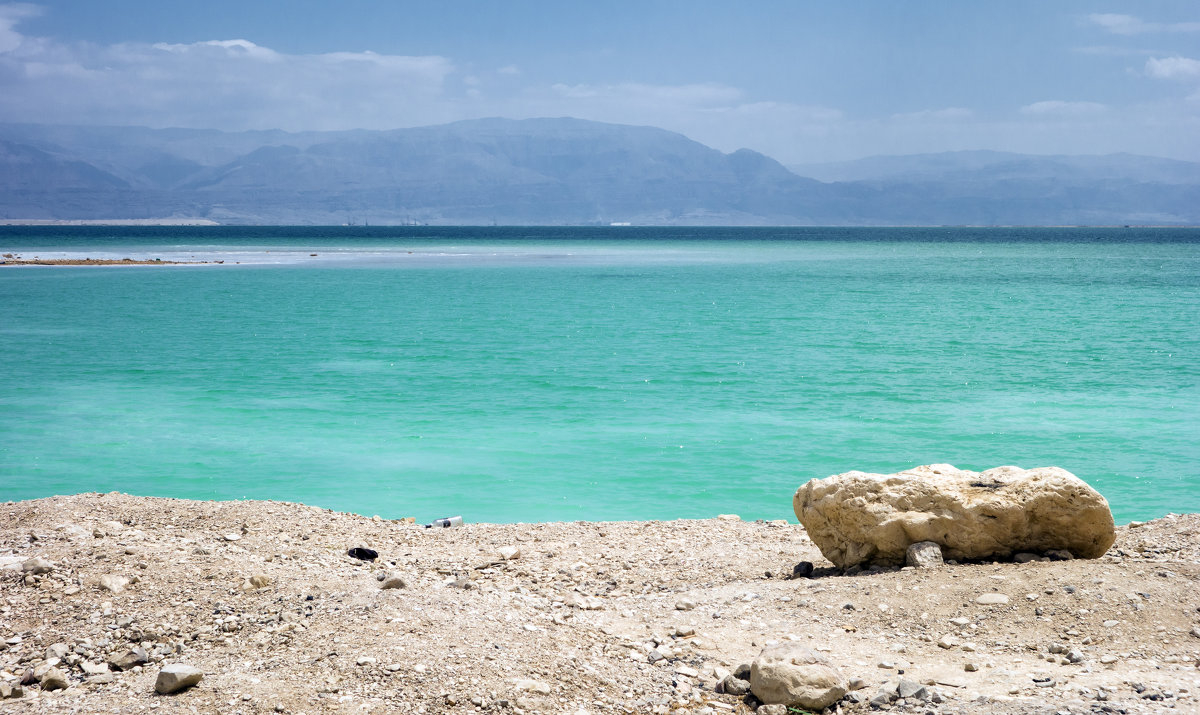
(557, 171)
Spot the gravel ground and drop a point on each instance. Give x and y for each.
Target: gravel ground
(580, 617)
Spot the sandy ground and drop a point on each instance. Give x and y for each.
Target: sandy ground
(627, 617)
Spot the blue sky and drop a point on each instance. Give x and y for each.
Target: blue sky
(799, 81)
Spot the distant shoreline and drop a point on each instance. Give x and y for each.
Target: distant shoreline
(97, 262)
(108, 222)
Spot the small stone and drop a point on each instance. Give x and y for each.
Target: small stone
(1111, 623)
(729, 517)
(128, 659)
(971, 667)
(394, 581)
(366, 660)
(533, 686)
(54, 679)
(58, 650)
(11, 690)
(804, 569)
(947, 642)
(584, 603)
(93, 668)
(773, 709)
(1025, 557)
(733, 685)
(1075, 655)
(508, 553)
(992, 599)
(175, 677)
(1108, 659)
(924, 555)
(256, 582)
(908, 689)
(685, 604)
(37, 566)
(1060, 555)
(232, 537)
(113, 583)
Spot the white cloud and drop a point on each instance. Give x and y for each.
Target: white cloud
(1129, 25)
(10, 15)
(693, 95)
(1060, 108)
(230, 84)
(949, 114)
(1173, 68)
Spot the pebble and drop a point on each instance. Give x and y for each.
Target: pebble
(37, 566)
(113, 583)
(947, 641)
(992, 599)
(509, 553)
(685, 604)
(733, 685)
(128, 659)
(908, 689)
(532, 686)
(54, 679)
(11, 690)
(394, 581)
(176, 677)
(232, 537)
(255, 582)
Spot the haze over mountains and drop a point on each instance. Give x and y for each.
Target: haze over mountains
(557, 171)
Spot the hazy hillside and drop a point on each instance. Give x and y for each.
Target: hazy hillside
(555, 171)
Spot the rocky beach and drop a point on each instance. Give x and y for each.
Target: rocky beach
(119, 603)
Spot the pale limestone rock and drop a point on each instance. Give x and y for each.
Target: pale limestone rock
(54, 679)
(114, 583)
(175, 677)
(924, 555)
(857, 517)
(790, 674)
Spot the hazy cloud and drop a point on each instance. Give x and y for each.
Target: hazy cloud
(1130, 25)
(694, 95)
(232, 84)
(10, 15)
(1173, 68)
(949, 114)
(1060, 108)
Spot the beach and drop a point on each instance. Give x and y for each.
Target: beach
(576, 617)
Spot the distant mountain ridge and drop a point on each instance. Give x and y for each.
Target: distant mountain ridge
(556, 171)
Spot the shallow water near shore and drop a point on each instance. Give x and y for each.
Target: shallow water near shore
(625, 373)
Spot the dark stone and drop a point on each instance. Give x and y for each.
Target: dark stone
(804, 569)
(363, 553)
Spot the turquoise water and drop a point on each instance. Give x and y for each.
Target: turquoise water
(561, 374)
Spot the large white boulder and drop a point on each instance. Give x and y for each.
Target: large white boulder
(790, 674)
(857, 518)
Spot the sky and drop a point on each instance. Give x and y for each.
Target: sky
(799, 81)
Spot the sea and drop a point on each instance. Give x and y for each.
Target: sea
(512, 374)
